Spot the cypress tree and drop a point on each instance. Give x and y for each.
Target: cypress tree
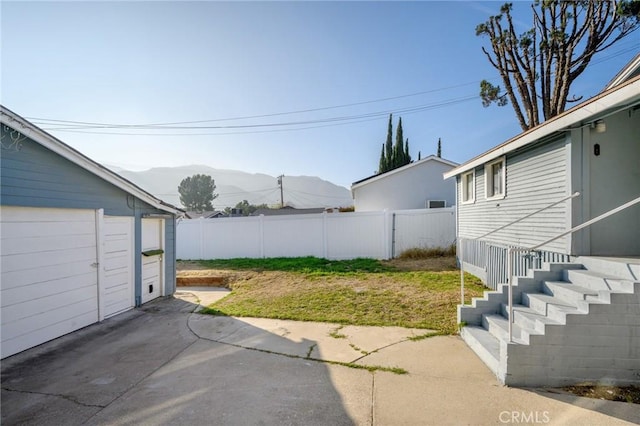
(407, 157)
(383, 162)
(439, 154)
(398, 149)
(388, 165)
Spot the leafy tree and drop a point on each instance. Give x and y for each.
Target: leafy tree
(538, 66)
(247, 209)
(394, 155)
(197, 192)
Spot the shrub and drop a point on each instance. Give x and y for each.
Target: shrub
(425, 253)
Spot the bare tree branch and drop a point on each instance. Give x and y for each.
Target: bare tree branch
(539, 66)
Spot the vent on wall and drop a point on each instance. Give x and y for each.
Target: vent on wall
(435, 204)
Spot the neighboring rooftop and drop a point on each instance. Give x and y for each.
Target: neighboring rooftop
(401, 169)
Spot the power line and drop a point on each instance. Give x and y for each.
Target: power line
(87, 123)
(281, 124)
(83, 126)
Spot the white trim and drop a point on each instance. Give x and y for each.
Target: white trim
(488, 179)
(464, 186)
(401, 169)
(38, 135)
(624, 95)
(100, 262)
(624, 74)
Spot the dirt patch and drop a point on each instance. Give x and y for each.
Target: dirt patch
(630, 394)
(193, 273)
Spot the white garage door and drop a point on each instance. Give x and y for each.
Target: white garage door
(117, 279)
(49, 284)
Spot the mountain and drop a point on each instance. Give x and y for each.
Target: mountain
(233, 186)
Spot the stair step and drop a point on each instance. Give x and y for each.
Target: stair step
(624, 268)
(598, 281)
(499, 327)
(528, 318)
(549, 306)
(567, 291)
(484, 344)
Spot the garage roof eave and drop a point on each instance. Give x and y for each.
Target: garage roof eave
(10, 119)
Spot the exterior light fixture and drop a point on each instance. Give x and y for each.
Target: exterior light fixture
(599, 126)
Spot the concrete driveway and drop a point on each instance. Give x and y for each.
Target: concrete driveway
(165, 364)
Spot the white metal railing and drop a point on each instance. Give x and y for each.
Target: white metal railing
(460, 240)
(512, 250)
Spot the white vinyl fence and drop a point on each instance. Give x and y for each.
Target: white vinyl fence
(378, 235)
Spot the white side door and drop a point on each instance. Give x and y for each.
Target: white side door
(152, 264)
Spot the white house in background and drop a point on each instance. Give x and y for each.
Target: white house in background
(572, 321)
(417, 185)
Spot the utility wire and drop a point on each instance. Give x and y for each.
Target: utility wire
(82, 126)
(281, 124)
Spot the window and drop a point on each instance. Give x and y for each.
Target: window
(495, 178)
(468, 187)
(436, 204)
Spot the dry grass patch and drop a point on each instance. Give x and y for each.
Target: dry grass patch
(403, 295)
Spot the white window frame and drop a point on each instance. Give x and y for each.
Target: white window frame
(489, 180)
(464, 187)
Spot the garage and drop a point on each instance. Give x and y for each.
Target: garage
(49, 281)
(78, 243)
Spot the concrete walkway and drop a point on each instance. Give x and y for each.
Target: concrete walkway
(165, 364)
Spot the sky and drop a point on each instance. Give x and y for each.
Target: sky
(293, 88)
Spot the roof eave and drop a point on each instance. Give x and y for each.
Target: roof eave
(597, 105)
(379, 176)
(55, 145)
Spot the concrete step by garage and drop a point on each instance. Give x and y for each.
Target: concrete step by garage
(201, 281)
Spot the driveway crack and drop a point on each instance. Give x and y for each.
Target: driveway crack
(379, 349)
(66, 397)
(373, 398)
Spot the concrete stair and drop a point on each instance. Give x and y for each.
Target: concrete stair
(572, 322)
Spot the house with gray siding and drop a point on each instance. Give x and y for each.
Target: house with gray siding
(417, 185)
(79, 243)
(575, 311)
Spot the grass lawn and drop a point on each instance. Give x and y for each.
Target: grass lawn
(358, 292)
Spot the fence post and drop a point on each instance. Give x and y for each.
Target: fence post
(461, 260)
(201, 248)
(261, 236)
(325, 250)
(387, 234)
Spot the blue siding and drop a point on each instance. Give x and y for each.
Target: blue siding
(34, 176)
(37, 177)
